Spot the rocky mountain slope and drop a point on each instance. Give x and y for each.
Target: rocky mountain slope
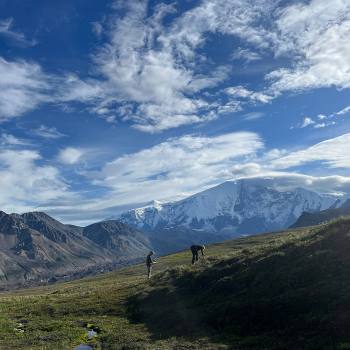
(310, 219)
(35, 247)
(244, 206)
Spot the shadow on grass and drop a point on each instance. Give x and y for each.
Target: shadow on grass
(295, 296)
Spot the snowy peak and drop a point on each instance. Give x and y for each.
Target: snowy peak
(233, 207)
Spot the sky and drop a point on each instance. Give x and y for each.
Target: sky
(107, 105)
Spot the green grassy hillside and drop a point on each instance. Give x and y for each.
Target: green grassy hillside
(289, 290)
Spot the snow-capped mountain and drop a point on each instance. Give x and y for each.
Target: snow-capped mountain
(245, 206)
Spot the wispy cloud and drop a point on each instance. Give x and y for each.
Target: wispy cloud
(333, 153)
(323, 120)
(253, 115)
(242, 93)
(17, 38)
(47, 132)
(23, 87)
(150, 72)
(343, 111)
(9, 140)
(169, 170)
(246, 55)
(97, 28)
(176, 166)
(185, 165)
(141, 68)
(155, 75)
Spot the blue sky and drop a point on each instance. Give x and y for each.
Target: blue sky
(105, 105)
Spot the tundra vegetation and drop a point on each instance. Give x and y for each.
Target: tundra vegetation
(286, 290)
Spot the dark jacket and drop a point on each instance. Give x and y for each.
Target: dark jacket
(196, 248)
(149, 260)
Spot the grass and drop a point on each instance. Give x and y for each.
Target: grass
(288, 290)
(55, 317)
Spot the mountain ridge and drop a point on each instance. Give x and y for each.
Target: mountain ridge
(245, 206)
(35, 247)
(311, 219)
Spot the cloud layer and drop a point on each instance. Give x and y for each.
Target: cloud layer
(185, 165)
(177, 166)
(169, 170)
(155, 74)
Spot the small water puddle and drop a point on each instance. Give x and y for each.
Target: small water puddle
(83, 347)
(92, 332)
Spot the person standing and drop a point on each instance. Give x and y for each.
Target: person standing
(195, 249)
(149, 264)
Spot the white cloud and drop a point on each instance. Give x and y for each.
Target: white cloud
(324, 125)
(23, 86)
(47, 132)
(24, 183)
(169, 170)
(246, 55)
(323, 120)
(344, 111)
(253, 115)
(8, 140)
(142, 69)
(71, 88)
(333, 184)
(315, 35)
(307, 122)
(232, 17)
(156, 76)
(333, 153)
(320, 125)
(97, 28)
(182, 166)
(151, 66)
(70, 155)
(156, 70)
(176, 166)
(16, 37)
(241, 92)
(229, 107)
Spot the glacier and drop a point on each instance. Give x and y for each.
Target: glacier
(244, 206)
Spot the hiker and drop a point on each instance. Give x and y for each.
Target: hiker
(195, 249)
(149, 263)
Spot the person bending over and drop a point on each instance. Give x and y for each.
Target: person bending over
(195, 249)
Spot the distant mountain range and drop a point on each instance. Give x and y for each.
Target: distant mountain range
(233, 208)
(35, 247)
(310, 219)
